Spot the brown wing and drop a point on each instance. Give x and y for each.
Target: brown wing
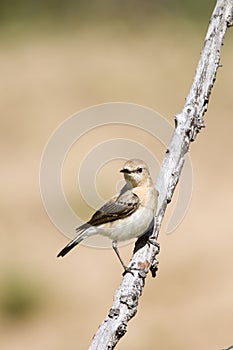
(115, 209)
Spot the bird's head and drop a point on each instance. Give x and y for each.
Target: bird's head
(136, 173)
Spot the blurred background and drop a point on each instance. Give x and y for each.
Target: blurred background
(58, 57)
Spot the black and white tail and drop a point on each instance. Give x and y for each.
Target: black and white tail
(81, 236)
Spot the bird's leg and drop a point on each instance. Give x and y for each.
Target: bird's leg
(127, 269)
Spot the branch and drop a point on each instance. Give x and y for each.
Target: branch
(188, 123)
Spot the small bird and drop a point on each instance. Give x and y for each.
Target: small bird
(126, 215)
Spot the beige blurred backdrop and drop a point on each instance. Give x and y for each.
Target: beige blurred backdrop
(51, 71)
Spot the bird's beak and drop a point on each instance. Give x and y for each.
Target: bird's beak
(126, 171)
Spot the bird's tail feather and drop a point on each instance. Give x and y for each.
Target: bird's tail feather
(81, 236)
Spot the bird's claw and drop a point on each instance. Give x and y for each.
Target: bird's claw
(128, 270)
(154, 243)
(142, 272)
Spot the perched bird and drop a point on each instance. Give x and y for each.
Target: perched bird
(126, 215)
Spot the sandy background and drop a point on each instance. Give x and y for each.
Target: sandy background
(47, 74)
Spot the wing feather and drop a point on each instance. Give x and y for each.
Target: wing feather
(117, 208)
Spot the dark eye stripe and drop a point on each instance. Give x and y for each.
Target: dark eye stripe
(127, 171)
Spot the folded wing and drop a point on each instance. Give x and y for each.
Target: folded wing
(117, 208)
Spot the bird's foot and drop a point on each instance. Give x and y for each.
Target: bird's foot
(154, 242)
(128, 270)
(141, 270)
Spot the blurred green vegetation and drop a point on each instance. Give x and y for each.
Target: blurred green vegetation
(76, 10)
(20, 296)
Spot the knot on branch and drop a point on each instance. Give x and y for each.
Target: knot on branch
(190, 121)
(130, 299)
(186, 114)
(121, 330)
(195, 127)
(114, 313)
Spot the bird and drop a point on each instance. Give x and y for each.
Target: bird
(126, 215)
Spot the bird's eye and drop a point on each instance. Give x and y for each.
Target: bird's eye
(139, 170)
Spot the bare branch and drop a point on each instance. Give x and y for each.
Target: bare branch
(187, 124)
